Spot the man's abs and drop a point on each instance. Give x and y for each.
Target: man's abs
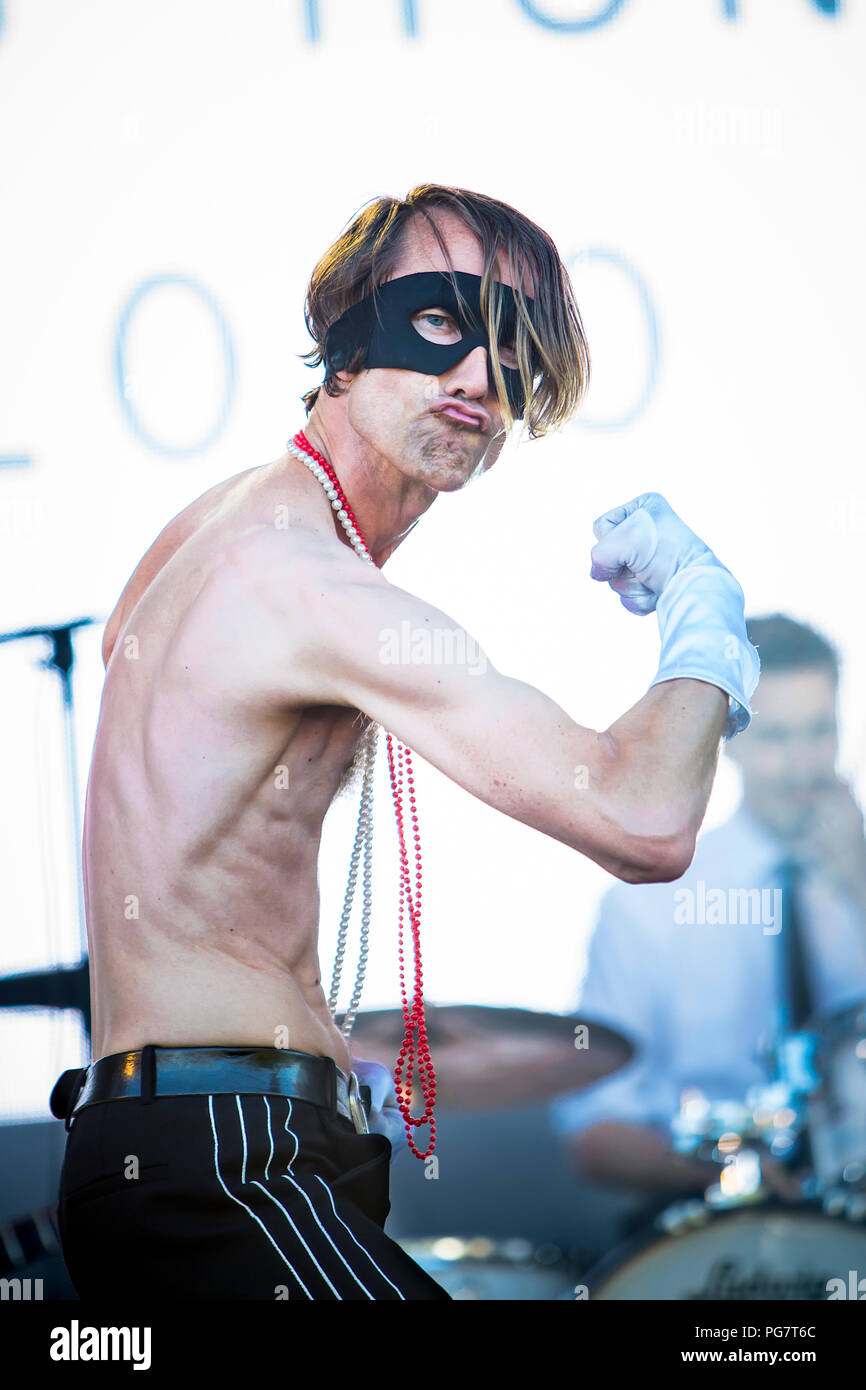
(204, 811)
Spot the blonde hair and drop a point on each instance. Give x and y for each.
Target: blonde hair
(550, 343)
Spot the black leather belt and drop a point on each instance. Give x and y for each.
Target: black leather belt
(199, 1071)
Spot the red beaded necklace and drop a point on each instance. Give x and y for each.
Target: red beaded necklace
(414, 1055)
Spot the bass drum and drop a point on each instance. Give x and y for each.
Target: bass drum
(742, 1254)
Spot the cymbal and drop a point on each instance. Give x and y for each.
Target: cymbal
(490, 1058)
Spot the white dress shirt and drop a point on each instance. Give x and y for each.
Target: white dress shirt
(697, 994)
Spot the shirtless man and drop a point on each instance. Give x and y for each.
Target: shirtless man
(234, 1168)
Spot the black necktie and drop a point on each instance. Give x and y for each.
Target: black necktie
(796, 996)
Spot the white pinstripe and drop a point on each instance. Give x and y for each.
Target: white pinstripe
(271, 1154)
(254, 1183)
(244, 1133)
(357, 1242)
(309, 1202)
(246, 1208)
(336, 1214)
(306, 1196)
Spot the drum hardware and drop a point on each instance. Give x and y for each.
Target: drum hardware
(837, 1105)
(735, 1134)
(795, 1058)
(811, 1117)
(682, 1216)
(479, 1268)
(855, 1207)
(742, 1242)
(851, 1206)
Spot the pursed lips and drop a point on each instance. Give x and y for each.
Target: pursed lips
(462, 417)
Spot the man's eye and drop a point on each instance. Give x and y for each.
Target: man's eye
(507, 355)
(436, 326)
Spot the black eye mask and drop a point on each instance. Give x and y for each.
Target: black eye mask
(389, 338)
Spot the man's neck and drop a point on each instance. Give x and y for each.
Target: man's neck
(386, 503)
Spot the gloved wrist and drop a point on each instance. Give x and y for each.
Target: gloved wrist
(702, 627)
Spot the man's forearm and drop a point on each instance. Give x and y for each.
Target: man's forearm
(667, 750)
(636, 1156)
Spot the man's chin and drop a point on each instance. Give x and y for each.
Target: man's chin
(450, 475)
(448, 464)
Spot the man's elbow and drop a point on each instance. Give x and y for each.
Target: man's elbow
(660, 859)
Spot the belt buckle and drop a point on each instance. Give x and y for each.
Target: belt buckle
(356, 1106)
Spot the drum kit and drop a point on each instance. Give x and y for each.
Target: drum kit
(753, 1237)
(785, 1220)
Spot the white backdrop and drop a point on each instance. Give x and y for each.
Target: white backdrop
(170, 172)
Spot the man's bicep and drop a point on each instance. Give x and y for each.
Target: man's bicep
(410, 667)
(422, 676)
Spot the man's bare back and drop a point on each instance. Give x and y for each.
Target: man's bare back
(205, 802)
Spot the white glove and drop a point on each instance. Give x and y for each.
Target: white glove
(385, 1116)
(646, 538)
(654, 562)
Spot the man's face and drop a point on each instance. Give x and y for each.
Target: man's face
(440, 430)
(790, 749)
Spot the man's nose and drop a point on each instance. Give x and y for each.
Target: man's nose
(471, 375)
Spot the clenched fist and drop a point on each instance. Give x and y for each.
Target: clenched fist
(656, 564)
(641, 546)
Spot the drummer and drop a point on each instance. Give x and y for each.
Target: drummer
(700, 979)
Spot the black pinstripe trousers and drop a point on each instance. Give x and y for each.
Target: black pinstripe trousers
(229, 1197)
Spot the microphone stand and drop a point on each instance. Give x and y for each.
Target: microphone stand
(61, 987)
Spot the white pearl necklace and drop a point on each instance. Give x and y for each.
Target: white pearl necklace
(364, 834)
(331, 492)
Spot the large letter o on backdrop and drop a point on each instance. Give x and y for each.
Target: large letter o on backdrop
(651, 346)
(571, 26)
(120, 376)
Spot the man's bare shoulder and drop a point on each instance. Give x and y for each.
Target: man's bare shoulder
(290, 597)
(180, 529)
(285, 567)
